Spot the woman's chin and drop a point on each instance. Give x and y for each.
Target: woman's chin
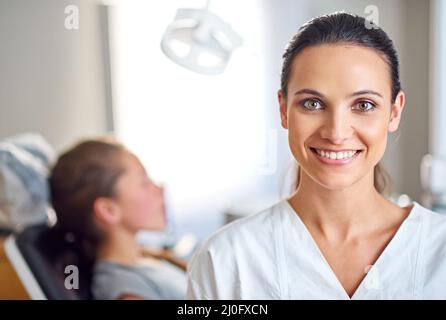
(335, 183)
(154, 226)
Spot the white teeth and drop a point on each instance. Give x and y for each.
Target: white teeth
(336, 155)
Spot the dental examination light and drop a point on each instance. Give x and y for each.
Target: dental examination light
(200, 41)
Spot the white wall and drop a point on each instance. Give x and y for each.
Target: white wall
(51, 78)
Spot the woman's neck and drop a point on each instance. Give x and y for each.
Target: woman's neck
(120, 246)
(341, 215)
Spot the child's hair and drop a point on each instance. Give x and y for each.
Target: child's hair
(82, 174)
(341, 27)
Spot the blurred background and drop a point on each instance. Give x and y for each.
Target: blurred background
(76, 69)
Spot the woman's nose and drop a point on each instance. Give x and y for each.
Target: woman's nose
(160, 189)
(337, 127)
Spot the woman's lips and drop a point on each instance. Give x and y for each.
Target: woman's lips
(338, 162)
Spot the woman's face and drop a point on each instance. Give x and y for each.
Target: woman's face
(140, 200)
(339, 98)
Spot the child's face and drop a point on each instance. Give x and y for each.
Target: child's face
(140, 200)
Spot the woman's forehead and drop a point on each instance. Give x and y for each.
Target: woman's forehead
(131, 162)
(340, 67)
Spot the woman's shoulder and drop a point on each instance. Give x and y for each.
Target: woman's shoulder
(148, 281)
(433, 235)
(432, 220)
(233, 253)
(112, 280)
(432, 223)
(432, 255)
(259, 225)
(249, 234)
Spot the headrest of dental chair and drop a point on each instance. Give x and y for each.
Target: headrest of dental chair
(47, 256)
(5, 231)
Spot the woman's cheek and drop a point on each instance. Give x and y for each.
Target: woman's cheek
(299, 131)
(374, 133)
(295, 143)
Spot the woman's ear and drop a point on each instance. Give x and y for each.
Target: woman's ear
(283, 109)
(396, 111)
(106, 211)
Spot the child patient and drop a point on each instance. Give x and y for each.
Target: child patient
(103, 196)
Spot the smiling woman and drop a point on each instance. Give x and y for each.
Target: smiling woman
(340, 105)
(337, 236)
(352, 40)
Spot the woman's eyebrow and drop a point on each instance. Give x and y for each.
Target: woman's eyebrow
(309, 91)
(358, 93)
(317, 93)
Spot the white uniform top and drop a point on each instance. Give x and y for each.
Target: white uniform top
(272, 255)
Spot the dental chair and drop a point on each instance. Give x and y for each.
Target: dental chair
(32, 260)
(40, 262)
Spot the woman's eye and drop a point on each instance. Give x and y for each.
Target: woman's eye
(311, 104)
(366, 106)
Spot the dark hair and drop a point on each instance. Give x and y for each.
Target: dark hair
(340, 27)
(84, 173)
